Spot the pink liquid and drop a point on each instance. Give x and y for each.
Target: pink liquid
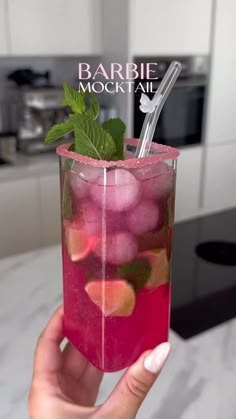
(112, 343)
(140, 214)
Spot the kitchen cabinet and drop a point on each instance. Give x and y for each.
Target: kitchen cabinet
(55, 27)
(4, 29)
(220, 175)
(49, 188)
(221, 121)
(189, 169)
(19, 216)
(170, 27)
(29, 214)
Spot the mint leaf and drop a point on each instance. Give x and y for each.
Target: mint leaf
(137, 272)
(91, 139)
(67, 202)
(58, 131)
(116, 129)
(74, 99)
(68, 164)
(93, 110)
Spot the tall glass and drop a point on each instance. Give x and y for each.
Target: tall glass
(117, 228)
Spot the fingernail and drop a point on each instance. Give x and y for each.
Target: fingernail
(157, 358)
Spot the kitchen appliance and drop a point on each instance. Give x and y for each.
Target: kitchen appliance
(41, 109)
(9, 118)
(181, 120)
(29, 77)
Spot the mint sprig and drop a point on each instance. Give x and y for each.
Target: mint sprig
(137, 273)
(58, 131)
(116, 129)
(91, 139)
(74, 99)
(104, 141)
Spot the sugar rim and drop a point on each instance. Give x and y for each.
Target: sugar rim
(167, 153)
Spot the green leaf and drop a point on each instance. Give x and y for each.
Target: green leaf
(74, 99)
(93, 110)
(67, 202)
(58, 131)
(68, 164)
(137, 272)
(116, 129)
(91, 139)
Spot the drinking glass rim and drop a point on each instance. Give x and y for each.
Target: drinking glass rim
(163, 153)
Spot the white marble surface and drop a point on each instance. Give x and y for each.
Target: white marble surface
(28, 166)
(198, 381)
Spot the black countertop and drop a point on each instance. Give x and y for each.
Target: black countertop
(203, 291)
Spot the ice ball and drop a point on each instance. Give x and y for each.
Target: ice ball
(118, 248)
(95, 221)
(81, 176)
(157, 180)
(118, 190)
(78, 186)
(143, 218)
(87, 172)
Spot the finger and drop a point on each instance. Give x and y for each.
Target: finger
(74, 363)
(90, 381)
(84, 373)
(136, 382)
(48, 354)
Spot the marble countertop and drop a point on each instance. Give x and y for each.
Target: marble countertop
(30, 166)
(198, 381)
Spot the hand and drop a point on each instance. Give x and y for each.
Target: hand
(65, 385)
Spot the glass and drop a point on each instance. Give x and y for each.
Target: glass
(117, 228)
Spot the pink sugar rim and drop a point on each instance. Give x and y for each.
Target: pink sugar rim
(168, 153)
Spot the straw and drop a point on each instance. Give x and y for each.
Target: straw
(157, 104)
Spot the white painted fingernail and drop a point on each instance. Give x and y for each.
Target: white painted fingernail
(157, 358)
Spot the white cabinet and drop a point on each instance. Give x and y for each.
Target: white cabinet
(220, 177)
(50, 209)
(55, 27)
(19, 216)
(166, 27)
(221, 121)
(4, 29)
(29, 214)
(189, 169)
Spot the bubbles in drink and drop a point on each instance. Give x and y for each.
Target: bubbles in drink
(143, 217)
(118, 190)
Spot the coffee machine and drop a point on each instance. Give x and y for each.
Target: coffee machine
(41, 109)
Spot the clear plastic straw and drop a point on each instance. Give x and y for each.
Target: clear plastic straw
(151, 119)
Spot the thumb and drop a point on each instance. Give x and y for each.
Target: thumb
(135, 384)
